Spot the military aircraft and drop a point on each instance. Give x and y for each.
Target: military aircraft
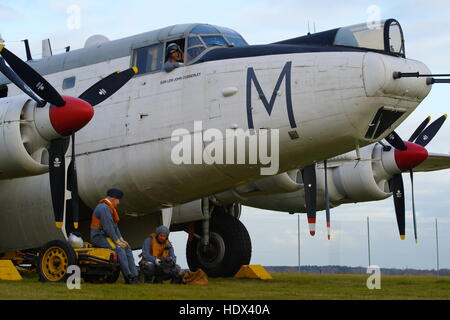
(333, 95)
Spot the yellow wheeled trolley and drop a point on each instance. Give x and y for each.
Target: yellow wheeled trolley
(97, 265)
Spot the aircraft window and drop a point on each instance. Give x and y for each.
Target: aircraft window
(149, 59)
(212, 41)
(395, 38)
(193, 52)
(68, 83)
(237, 42)
(227, 31)
(194, 41)
(387, 37)
(360, 36)
(205, 29)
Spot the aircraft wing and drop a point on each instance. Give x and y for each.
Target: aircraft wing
(434, 162)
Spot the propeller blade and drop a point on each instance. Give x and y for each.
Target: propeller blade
(32, 79)
(327, 200)
(394, 140)
(310, 186)
(430, 132)
(72, 182)
(397, 189)
(411, 174)
(106, 87)
(11, 75)
(420, 129)
(57, 179)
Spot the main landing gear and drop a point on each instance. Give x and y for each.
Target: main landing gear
(226, 247)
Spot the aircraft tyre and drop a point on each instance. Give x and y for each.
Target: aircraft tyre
(54, 259)
(229, 247)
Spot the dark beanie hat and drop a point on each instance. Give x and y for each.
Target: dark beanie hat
(115, 193)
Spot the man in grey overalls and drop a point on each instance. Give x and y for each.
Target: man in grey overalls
(158, 258)
(105, 234)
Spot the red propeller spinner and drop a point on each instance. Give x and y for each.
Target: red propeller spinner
(72, 117)
(411, 157)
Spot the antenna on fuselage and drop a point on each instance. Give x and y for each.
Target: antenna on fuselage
(27, 49)
(46, 48)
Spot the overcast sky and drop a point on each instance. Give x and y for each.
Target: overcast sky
(274, 235)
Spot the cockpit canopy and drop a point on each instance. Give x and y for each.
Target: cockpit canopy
(385, 37)
(205, 36)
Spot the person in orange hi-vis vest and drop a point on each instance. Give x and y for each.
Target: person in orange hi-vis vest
(158, 258)
(105, 233)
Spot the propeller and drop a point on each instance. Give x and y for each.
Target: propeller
(310, 187)
(394, 140)
(32, 79)
(327, 200)
(430, 132)
(397, 188)
(407, 156)
(67, 115)
(419, 129)
(11, 75)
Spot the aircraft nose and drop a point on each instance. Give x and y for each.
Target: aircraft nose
(378, 71)
(72, 117)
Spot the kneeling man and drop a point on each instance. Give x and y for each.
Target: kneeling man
(158, 258)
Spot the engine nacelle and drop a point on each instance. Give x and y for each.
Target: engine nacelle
(23, 151)
(358, 181)
(349, 180)
(281, 183)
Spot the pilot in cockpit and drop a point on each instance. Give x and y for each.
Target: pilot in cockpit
(175, 57)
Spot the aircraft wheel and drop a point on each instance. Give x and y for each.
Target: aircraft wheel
(56, 256)
(229, 247)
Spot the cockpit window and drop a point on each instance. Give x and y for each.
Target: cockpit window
(360, 36)
(395, 37)
(212, 41)
(386, 36)
(194, 41)
(205, 29)
(237, 42)
(206, 36)
(229, 32)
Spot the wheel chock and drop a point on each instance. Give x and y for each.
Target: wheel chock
(8, 271)
(253, 272)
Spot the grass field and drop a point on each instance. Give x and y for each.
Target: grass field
(283, 286)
